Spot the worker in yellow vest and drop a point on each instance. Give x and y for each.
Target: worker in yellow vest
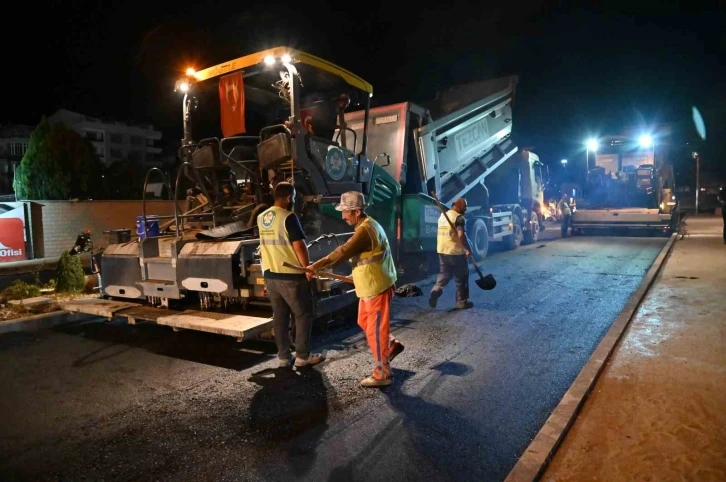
(564, 207)
(282, 240)
(374, 277)
(454, 250)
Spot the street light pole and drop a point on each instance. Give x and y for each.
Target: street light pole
(698, 174)
(587, 160)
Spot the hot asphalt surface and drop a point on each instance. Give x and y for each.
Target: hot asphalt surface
(108, 401)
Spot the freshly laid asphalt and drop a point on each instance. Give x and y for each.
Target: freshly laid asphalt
(109, 401)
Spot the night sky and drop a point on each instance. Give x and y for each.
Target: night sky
(582, 72)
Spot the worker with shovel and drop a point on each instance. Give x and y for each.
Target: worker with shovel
(374, 277)
(282, 242)
(454, 249)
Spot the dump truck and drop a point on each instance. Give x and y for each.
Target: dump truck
(201, 270)
(457, 145)
(629, 189)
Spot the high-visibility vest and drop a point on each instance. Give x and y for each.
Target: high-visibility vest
(447, 239)
(565, 208)
(275, 244)
(373, 271)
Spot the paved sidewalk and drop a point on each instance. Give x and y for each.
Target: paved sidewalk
(658, 410)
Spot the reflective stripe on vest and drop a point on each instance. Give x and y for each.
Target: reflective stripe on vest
(447, 239)
(275, 245)
(374, 271)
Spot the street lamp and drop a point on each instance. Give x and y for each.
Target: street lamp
(698, 170)
(590, 145)
(645, 141)
(564, 162)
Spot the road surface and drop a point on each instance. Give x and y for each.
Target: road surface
(110, 401)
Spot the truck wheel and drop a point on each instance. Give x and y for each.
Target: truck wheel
(532, 234)
(514, 240)
(479, 239)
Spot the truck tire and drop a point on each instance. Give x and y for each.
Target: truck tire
(531, 235)
(514, 240)
(479, 238)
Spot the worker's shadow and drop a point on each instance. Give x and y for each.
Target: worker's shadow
(289, 414)
(441, 443)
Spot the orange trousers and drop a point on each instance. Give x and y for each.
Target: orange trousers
(374, 317)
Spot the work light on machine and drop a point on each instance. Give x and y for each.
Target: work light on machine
(270, 60)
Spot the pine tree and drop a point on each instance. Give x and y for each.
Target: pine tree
(39, 175)
(59, 164)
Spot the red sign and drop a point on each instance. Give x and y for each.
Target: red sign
(12, 240)
(232, 104)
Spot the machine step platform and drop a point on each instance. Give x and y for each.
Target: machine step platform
(231, 324)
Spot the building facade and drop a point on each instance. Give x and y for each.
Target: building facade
(115, 141)
(14, 140)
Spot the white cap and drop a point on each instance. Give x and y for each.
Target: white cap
(351, 200)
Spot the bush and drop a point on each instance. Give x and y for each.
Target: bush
(70, 276)
(19, 290)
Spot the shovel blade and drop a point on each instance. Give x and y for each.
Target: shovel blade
(487, 282)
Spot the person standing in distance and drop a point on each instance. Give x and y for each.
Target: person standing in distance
(722, 201)
(564, 207)
(282, 240)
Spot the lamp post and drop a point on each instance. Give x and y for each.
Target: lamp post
(564, 162)
(698, 171)
(590, 145)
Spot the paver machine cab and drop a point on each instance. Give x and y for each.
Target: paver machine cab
(295, 104)
(299, 101)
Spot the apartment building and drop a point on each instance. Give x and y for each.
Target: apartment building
(14, 141)
(115, 141)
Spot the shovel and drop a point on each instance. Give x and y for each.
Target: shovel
(319, 273)
(484, 282)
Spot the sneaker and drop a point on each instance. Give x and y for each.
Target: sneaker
(312, 359)
(396, 349)
(464, 305)
(372, 382)
(434, 298)
(284, 362)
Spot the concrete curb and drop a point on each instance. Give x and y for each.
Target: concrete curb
(531, 465)
(42, 321)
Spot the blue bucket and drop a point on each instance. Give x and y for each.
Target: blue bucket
(152, 227)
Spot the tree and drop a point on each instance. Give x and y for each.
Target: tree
(78, 158)
(125, 179)
(69, 274)
(58, 164)
(39, 175)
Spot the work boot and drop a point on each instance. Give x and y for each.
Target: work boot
(395, 350)
(464, 305)
(372, 382)
(434, 297)
(312, 359)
